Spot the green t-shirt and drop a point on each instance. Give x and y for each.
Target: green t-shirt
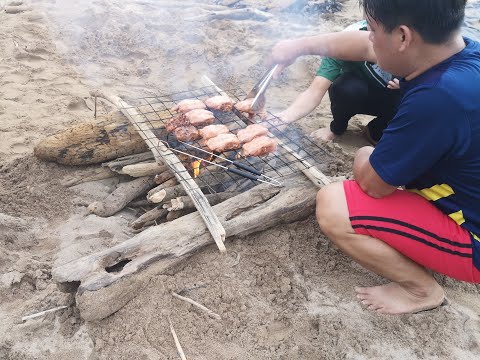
(331, 68)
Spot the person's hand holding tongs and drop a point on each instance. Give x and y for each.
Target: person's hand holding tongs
(258, 91)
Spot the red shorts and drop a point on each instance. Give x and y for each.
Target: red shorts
(416, 228)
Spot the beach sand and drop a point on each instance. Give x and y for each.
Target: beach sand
(285, 293)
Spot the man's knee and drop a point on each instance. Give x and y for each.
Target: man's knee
(332, 210)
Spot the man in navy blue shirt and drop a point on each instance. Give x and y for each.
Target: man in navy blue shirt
(431, 149)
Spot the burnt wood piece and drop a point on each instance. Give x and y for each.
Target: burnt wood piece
(92, 142)
(121, 196)
(109, 279)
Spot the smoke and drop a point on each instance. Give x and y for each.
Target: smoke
(160, 46)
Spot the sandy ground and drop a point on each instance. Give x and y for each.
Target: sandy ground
(285, 293)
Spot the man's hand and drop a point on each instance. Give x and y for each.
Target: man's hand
(284, 54)
(394, 84)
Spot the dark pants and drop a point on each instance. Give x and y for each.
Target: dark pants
(350, 95)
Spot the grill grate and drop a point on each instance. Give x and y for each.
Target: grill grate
(155, 112)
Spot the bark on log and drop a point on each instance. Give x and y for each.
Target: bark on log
(149, 218)
(118, 164)
(92, 142)
(121, 196)
(109, 279)
(144, 169)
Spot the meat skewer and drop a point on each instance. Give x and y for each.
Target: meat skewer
(223, 142)
(175, 122)
(235, 163)
(211, 131)
(251, 132)
(200, 117)
(245, 106)
(233, 170)
(186, 133)
(220, 103)
(260, 146)
(187, 105)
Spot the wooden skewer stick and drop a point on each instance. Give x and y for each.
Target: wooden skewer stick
(41, 313)
(177, 343)
(200, 306)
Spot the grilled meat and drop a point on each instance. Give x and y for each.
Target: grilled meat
(260, 146)
(186, 133)
(176, 122)
(211, 131)
(251, 132)
(245, 106)
(223, 142)
(200, 117)
(187, 105)
(221, 103)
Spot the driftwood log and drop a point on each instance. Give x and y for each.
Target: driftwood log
(118, 164)
(143, 169)
(149, 218)
(184, 202)
(165, 192)
(106, 138)
(121, 196)
(83, 176)
(109, 279)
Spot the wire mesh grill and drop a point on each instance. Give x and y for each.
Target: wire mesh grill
(155, 112)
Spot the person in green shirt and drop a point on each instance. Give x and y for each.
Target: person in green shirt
(354, 87)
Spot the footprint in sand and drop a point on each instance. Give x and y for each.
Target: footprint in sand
(19, 148)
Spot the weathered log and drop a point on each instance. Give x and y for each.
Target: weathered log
(92, 142)
(149, 218)
(118, 164)
(83, 176)
(144, 169)
(174, 215)
(165, 192)
(109, 279)
(121, 196)
(184, 202)
(161, 178)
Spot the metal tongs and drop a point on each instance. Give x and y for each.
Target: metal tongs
(258, 91)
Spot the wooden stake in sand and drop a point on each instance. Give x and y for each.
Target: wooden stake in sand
(200, 306)
(177, 343)
(41, 313)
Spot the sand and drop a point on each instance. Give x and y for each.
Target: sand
(285, 293)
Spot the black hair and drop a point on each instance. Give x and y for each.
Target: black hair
(434, 20)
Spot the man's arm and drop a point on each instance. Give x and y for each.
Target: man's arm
(307, 101)
(343, 45)
(366, 176)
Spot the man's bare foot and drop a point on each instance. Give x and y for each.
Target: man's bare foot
(394, 299)
(324, 134)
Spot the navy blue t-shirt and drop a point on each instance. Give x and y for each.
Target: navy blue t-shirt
(432, 146)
